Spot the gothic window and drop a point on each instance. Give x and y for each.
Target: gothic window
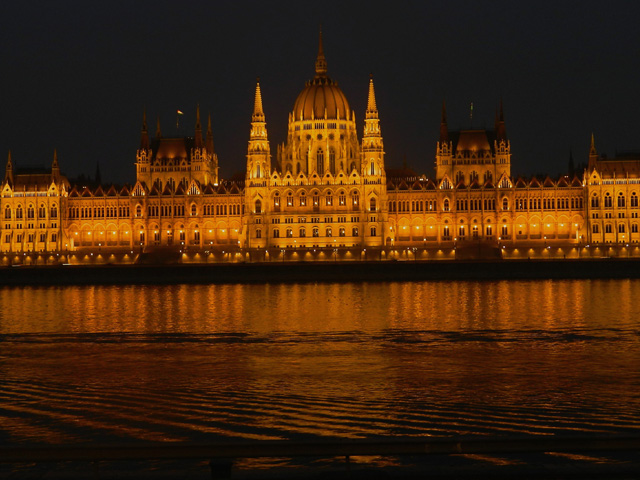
(302, 232)
(461, 232)
(634, 228)
(373, 169)
(289, 199)
(354, 232)
(372, 205)
(445, 205)
(258, 206)
(355, 199)
(276, 201)
(303, 199)
(194, 209)
(621, 200)
(473, 176)
(42, 211)
(320, 161)
(607, 200)
(19, 212)
(316, 232)
(445, 233)
(634, 199)
(30, 212)
(332, 160)
(459, 177)
(595, 228)
(372, 231)
(258, 171)
(488, 176)
(289, 233)
(276, 233)
(7, 213)
(342, 198)
(489, 231)
(258, 233)
(505, 203)
(607, 228)
(329, 199)
(328, 232)
(138, 211)
(621, 228)
(595, 201)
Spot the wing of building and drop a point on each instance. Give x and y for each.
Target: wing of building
(325, 196)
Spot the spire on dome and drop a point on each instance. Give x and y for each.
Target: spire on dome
(321, 62)
(444, 131)
(592, 147)
(258, 113)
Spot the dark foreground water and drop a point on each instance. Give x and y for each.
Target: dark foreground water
(356, 360)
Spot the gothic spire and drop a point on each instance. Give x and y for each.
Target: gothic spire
(321, 62)
(209, 144)
(8, 173)
(501, 129)
(158, 131)
(444, 130)
(592, 147)
(144, 134)
(258, 113)
(372, 109)
(198, 136)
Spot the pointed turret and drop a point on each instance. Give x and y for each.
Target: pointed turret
(8, 171)
(55, 166)
(372, 145)
(158, 131)
(444, 130)
(321, 62)
(258, 156)
(209, 143)
(593, 153)
(198, 135)
(144, 133)
(501, 129)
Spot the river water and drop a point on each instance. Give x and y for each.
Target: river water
(117, 364)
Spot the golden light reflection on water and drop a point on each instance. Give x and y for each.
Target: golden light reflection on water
(190, 362)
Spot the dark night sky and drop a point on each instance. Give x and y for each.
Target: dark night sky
(76, 75)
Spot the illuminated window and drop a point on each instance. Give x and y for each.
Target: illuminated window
(289, 199)
(354, 232)
(316, 232)
(342, 198)
(328, 232)
(445, 233)
(445, 205)
(505, 203)
(303, 199)
(329, 199)
(341, 232)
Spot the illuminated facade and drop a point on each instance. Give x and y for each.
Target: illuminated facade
(326, 196)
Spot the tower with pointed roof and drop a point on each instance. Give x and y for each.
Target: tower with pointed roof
(168, 162)
(476, 155)
(8, 171)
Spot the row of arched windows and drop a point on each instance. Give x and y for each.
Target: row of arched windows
(621, 201)
(30, 212)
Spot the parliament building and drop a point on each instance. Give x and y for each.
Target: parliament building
(326, 196)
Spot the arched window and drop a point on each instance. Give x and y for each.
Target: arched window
(276, 200)
(289, 199)
(328, 232)
(372, 205)
(607, 200)
(42, 211)
(505, 203)
(329, 199)
(621, 200)
(258, 171)
(320, 161)
(302, 232)
(30, 212)
(303, 199)
(373, 168)
(332, 160)
(316, 232)
(7, 213)
(194, 209)
(258, 206)
(595, 201)
(138, 211)
(634, 199)
(445, 205)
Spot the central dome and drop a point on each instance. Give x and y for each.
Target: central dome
(320, 95)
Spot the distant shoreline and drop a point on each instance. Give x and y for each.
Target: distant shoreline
(304, 272)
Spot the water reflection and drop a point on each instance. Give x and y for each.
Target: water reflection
(196, 362)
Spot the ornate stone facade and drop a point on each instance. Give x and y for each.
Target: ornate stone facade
(325, 197)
